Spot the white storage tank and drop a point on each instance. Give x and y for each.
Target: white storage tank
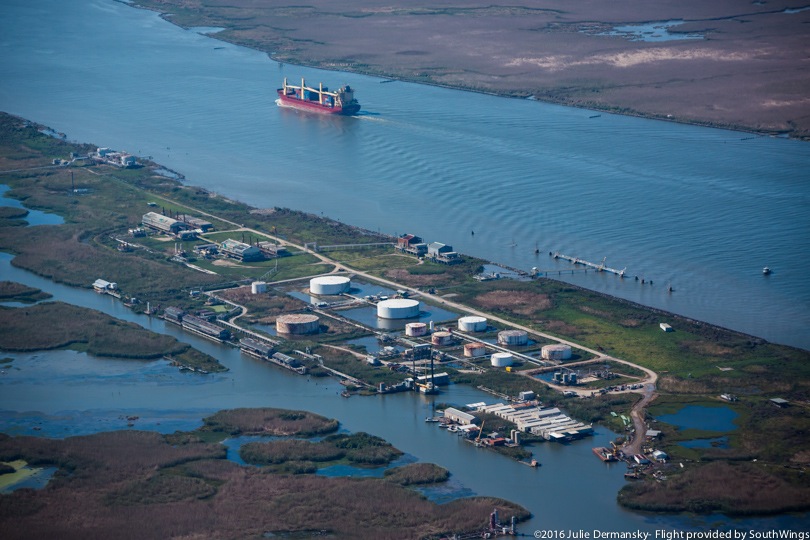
(398, 308)
(558, 351)
(329, 285)
(441, 338)
(298, 324)
(258, 287)
(502, 359)
(513, 337)
(415, 329)
(474, 350)
(472, 323)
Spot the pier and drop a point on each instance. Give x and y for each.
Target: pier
(598, 267)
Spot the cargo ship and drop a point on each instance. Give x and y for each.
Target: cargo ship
(318, 100)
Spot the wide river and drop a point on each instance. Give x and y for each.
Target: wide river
(701, 210)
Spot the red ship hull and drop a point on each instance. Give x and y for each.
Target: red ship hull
(313, 106)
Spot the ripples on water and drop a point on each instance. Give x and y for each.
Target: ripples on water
(701, 209)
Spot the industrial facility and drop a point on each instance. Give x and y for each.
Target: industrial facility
(240, 251)
(551, 424)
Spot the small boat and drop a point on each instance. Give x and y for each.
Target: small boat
(766, 271)
(345, 393)
(431, 419)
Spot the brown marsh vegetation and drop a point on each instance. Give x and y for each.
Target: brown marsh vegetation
(139, 485)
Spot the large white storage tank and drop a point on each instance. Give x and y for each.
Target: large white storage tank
(398, 308)
(502, 359)
(513, 337)
(297, 324)
(474, 350)
(415, 329)
(558, 351)
(472, 323)
(329, 285)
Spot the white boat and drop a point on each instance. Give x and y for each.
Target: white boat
(766, 270)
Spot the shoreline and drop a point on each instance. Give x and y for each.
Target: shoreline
(608, 107)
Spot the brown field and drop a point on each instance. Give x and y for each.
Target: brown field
(519, 302)
(748, 72)
(137, 485)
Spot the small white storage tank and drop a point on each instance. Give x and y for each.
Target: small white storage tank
(441, 338)
(474, 350)
(501, 359)
(298, 324)
(513, 337)
(415, 329)
(558, 351)
(398, 308)
(258, 287)
(472, 323)
(329, 285)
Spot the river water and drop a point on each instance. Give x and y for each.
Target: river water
(701, 209)
(64, 393)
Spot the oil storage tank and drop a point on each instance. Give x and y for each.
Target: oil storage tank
(329, 285)
(441, 338)
(398, 308)
(474, 350)
(502, 359)
(298, 324)
(415, 329)
(557, 351)
(472, 323)
(513, 337)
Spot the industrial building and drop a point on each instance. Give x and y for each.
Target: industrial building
(161, 223)
(174, 314)
(460, 417)
(207, 329)
(442, 253)
(412, 244)
(551, 424)
(272, 250)
(255, 348)
(195, 222)
(240, 251)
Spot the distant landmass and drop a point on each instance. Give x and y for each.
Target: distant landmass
(739, 65)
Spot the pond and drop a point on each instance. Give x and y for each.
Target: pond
(34, 217)
(703, 418)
